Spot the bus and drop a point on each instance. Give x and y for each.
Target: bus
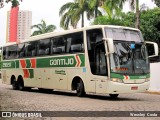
(99, 59)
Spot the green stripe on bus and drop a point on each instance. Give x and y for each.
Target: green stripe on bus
(8, 64)
(82, 60)
(31, 72)
(115, 75)
(17, 63)
(28, 63)
(64, 61)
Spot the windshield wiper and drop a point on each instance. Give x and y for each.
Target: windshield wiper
(141, 68)
(136, 60)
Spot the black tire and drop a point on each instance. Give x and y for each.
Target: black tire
(21, 84)
(27, 88)
(113, 96)
(14, 85)
(80, 89)
(45, 90)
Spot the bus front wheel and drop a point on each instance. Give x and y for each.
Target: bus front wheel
(113, 96)
(80, 89)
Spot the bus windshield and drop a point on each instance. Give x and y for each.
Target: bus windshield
(124, 34)
(130, 56)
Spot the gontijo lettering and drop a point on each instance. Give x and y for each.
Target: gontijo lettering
(69, 61)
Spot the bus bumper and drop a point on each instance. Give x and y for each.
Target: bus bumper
(116, 88)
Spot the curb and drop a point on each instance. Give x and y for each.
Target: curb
(152, 92)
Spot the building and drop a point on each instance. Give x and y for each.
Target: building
(18, 25)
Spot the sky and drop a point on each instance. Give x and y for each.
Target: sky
(47, 10)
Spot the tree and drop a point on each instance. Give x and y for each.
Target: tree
(150, 24)
(104, 20)
(0, 59)
(94, 4)
(157, 2)
(67, 11)
(134, 4)
(72, 12)
(149, 19)
(42, 28)
(15, 3)
(90, 11)
(112, 8)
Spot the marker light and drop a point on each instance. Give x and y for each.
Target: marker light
(132, 46)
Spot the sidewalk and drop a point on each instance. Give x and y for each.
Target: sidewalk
(152, 92)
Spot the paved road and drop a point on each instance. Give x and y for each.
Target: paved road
(63, 101)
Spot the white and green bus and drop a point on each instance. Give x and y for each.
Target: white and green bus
(99, 59)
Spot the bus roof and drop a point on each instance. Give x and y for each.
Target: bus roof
(52, 34)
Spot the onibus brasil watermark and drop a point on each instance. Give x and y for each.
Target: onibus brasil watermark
(21, 114)
(38, 114)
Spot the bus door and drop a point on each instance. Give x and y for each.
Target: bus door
(97, 81)
(100, 69)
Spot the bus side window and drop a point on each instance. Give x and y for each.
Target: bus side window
(5, 53)
(58, 46)
(12, 52)
(77, 43)
(68, 45)
(21, 50)
(44, 47)
(31, 49)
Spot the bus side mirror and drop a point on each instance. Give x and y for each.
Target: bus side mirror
(110, 45)
(152, 48)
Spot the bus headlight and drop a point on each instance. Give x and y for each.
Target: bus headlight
(147, 79)
(116, 80)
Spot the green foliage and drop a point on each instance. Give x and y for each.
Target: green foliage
(42, 28)
(72, 12)
(0, 59)
(124, 19)
(15, 3)
(149, 23)
(103, 20)
(157, 2)
(128, 19)
(67, 11)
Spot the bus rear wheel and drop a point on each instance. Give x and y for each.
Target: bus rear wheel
(80, 89)
(14, 84)
(20, 84)
(113, 96)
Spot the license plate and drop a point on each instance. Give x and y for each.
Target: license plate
(134, 88)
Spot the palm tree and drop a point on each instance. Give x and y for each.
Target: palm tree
(112, 16)
(112, 8)
(92, 6)
(72, 12)
(42, 28)
(15, 3)
(134, 4)
(67, 12)
(157, 2)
